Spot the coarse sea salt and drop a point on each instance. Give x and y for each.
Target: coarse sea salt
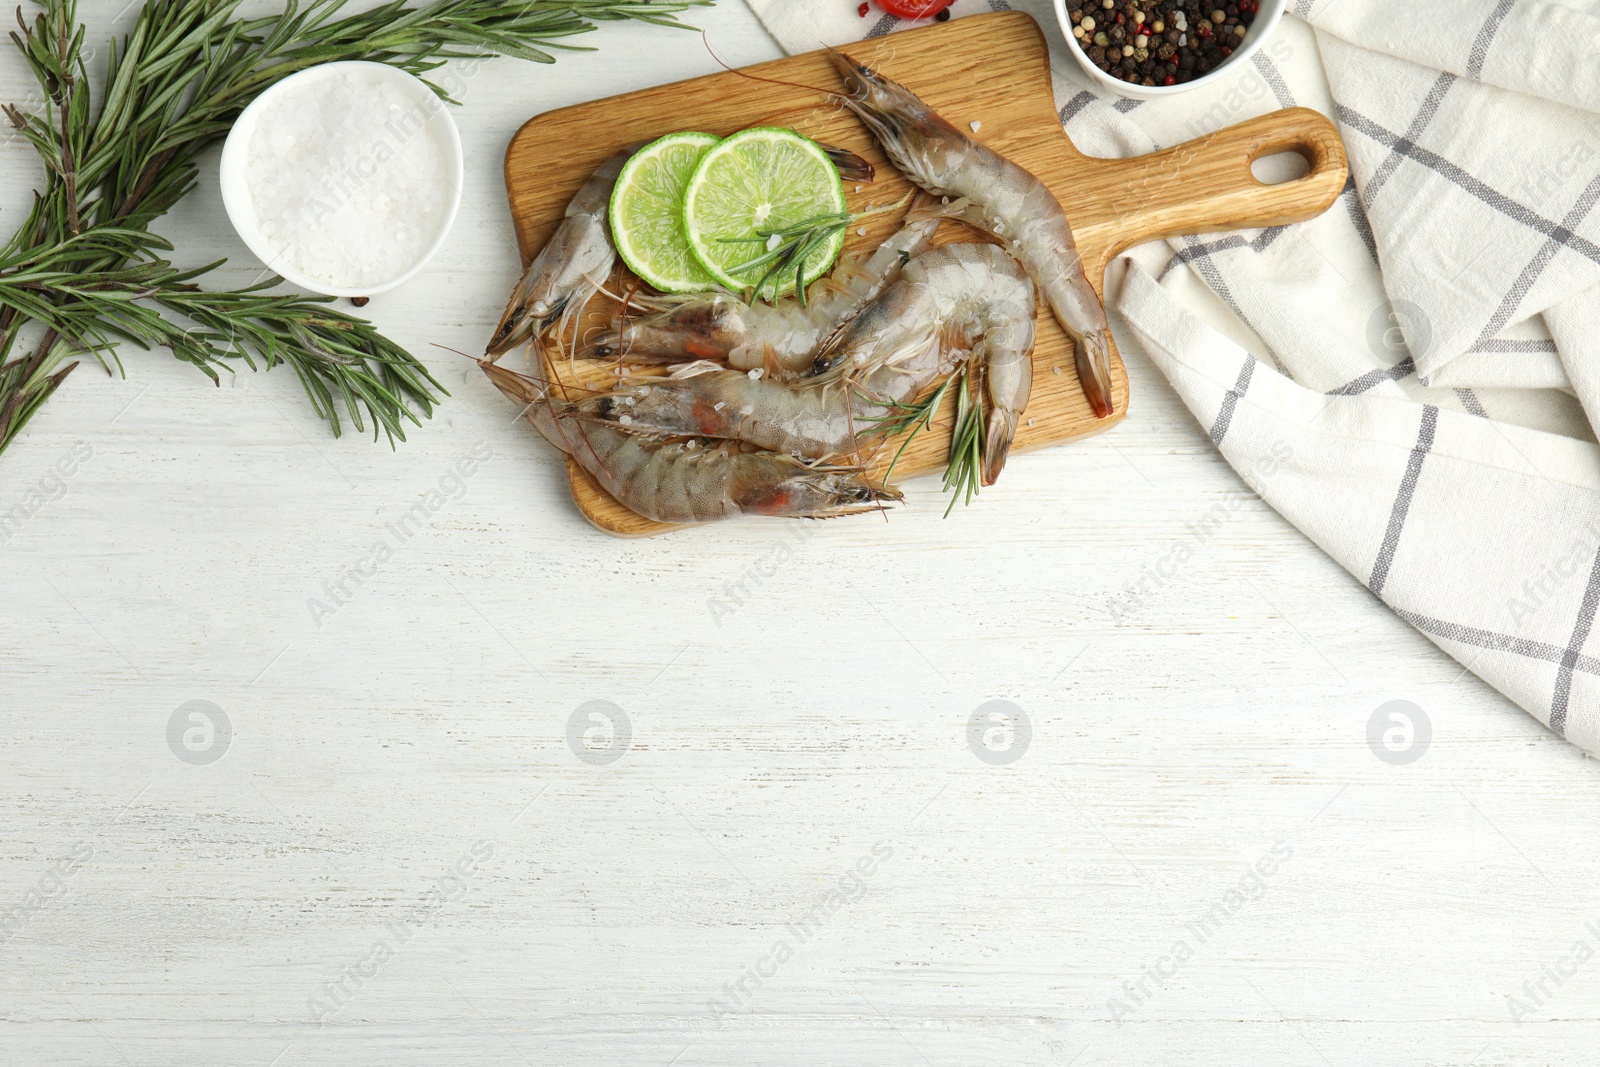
(350, 187)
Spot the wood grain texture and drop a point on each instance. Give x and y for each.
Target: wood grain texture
(1201, 186)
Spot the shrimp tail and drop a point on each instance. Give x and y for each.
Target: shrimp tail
(1093, 362)
(852, 168)
(1001, 428)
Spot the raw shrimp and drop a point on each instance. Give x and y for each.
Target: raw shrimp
(778, 336)
(953, 297)
(689, 481)
(572, 266)
(997, 196)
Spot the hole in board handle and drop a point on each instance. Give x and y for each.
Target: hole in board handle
(1276, 168)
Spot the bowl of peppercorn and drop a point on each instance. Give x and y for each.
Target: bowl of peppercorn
(1153, 48)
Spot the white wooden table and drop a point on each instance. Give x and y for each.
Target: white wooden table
(796, 769)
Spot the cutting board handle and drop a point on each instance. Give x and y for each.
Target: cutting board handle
(1206, 185)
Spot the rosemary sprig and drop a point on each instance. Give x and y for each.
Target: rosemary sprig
(912, 419)
(341, 360)
(84, 264)
(963, 472)
(964, 466)
(789, 249)
(336, 356)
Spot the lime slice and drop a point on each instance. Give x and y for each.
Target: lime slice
(647, 213)
(752, 184)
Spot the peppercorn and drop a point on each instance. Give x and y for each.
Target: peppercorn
(1188, 38)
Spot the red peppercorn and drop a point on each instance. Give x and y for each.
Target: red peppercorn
(1204, 30)
(1170, 79)
(862, 11)
(1227, 51)
(1173, 59)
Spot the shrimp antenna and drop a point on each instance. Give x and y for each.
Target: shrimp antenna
(492, 369)
(484, 363)
(560, 386)
(622, 320)
(553, 383)
(706, 40)
(457, 351)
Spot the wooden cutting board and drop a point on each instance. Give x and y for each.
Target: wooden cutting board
(991, 72)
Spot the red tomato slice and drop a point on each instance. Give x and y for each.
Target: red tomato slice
(914, 9)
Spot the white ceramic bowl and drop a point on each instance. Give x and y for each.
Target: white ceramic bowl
(1266, 21)
(332, 78)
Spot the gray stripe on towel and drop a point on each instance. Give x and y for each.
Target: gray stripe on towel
(1569, 658)
(1230, 401)
(1402, 500)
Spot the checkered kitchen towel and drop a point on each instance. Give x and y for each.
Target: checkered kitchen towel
(1427, 353)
